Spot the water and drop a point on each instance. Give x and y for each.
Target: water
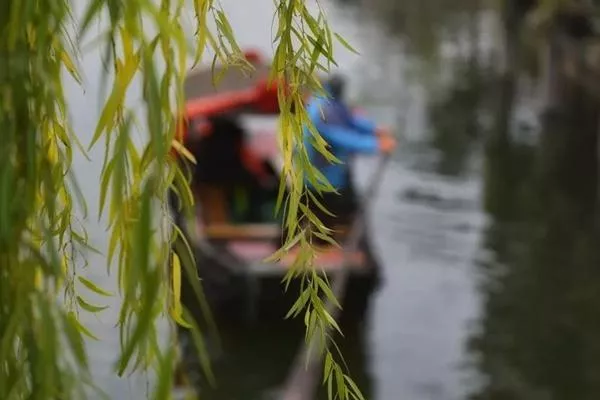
(488, 246)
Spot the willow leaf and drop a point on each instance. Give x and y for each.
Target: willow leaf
(356, 393)
(328, 367)
(327, 290)
(93, 287)
(339, 379)
(80, 327)
(176, 310)
(183, 151)
(107, 116)
(200, 345)
(70, 66)
(345, 43)
(115, 101)
(90, 14)
(165, 375)
(89, 307)
(299, 305)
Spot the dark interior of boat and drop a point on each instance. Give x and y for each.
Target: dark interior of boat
(228, 191)
(234, 202)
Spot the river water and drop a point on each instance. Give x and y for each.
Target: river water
(490, 265)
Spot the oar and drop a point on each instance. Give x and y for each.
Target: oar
(304, 378)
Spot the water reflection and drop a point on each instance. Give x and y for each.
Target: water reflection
(456, 118)
(538, 335)
(425, 238)
(255, 360)
(426, 26)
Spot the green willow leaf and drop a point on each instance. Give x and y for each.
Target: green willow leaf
(200, 345)
(356, 393)
(345, 43)
(93, 287)
(89, 307)
(75, 340)
(328, 367)
(331, 321)
(165, 375)
(298, 306)
(90, 14)
(327, 239)
(327, 290)
(73, 319)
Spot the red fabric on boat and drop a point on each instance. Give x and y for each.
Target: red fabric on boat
(266, 99)
(219, 103)
(253, 56)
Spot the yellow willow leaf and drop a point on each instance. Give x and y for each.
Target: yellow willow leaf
(183, 151)
(181, 45)
(31, 35)
(123, 78)
(109, 112)
(61, 279)
(64, 266)
(176, 309)
(53, 152)
(127, 41)
(200, 9)
(38, 278)
(130, 68)
(69, 65)
(64, 196)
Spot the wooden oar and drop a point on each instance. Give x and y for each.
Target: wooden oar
(304, 377)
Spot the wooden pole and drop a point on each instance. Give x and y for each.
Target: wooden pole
(303, 380)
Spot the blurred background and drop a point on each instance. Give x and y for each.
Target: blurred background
(487, 223)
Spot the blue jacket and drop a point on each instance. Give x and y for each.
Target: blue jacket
(344, 132)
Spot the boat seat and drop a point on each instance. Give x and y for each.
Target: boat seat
(329, 258)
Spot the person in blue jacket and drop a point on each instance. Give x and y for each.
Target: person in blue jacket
(346, 133)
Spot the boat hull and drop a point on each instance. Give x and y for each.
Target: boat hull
(239, 296)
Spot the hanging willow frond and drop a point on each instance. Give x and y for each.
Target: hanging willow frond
(42, 245)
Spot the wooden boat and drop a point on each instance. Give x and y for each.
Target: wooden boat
(230, 252)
